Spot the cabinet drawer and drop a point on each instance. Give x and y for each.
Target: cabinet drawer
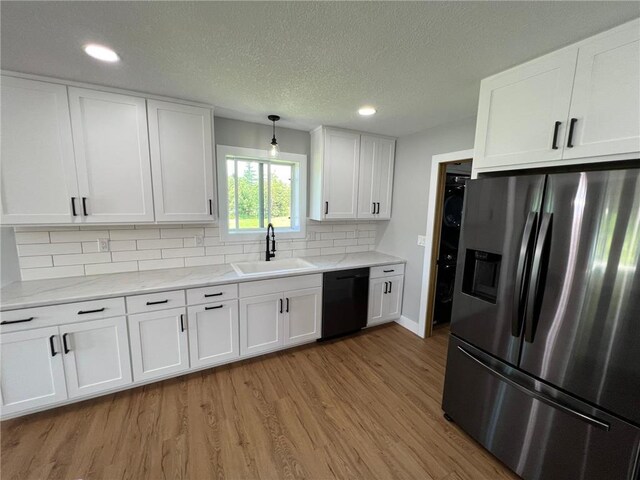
(217, 293)
(387, 270)
(155, 301)
(28, 318)
(277, 285)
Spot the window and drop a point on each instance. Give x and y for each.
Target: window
(256, 190)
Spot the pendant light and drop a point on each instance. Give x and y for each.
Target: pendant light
(274, 149)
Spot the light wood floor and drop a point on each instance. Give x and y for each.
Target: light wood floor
(363, 407)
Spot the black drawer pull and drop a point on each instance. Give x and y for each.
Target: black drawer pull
(287, 304)
(97, 310)
(210, 207)
(53, 349)
(9, 322)
(64, 343)
(388, 271)
(182, 322)
(207, 295)
(213, 308)
(160, 302)
(280, 305)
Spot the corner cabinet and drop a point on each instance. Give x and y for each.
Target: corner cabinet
(351, 175)
(579, 104)
(86, 156)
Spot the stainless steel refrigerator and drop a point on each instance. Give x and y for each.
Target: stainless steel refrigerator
(543, 366)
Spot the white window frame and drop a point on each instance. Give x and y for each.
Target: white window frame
(298, 208)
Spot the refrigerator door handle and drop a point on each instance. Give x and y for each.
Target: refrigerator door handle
(536, 283)
(538, 395)
(526, 246)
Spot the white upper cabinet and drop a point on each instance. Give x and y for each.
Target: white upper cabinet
(522, 113)
(605, 106)
(377, 156)
(38, 170)
(579, 104)
(180, 139)
(351, 175)
(112, 156)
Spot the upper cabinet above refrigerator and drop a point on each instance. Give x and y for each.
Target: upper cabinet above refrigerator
(579, 104)
(351, 175)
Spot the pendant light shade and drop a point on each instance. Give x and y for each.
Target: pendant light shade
(274, 148)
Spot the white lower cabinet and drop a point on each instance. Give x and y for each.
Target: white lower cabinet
(261, 323)
(303, 315)
(213, 333)
(32, 370)
(159, 344)
(385, 299)
(96, 356)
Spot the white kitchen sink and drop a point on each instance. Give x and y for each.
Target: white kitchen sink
(274, 266)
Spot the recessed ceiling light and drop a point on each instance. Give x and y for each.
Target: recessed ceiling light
(101, 52)
(366, 111)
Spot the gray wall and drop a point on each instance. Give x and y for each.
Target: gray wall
(9, 269)
(399, 236)
(237, 133)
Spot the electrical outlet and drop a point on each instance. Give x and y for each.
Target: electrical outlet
(422, 240)
(103, 244)
(198, 240)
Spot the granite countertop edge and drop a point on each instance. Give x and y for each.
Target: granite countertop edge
(39, 293)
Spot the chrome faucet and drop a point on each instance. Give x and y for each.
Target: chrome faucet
(270, 254)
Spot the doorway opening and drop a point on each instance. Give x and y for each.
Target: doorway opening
(450, 173)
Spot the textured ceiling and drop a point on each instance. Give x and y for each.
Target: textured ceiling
(419, 63)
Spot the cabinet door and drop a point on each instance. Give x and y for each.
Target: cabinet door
(340, 170)
(159, 344)
(213, 333)
(96, 355)
(392, 300)
(38, 172)
(606, 96)
(32, 371)
(303, 315)
(384, 177)
(112, 156)
(182, 162)
(518, 111)
(368, 177)
(377, 288)
(261, 323)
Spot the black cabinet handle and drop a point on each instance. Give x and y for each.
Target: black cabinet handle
(378, 211)
(182, 322)
(64, 343)
(53, 349)
(572, 125)
(158, 302)
(390, 286)
(84, 206)
(210, 207)
(326, 208)
(386, 287)
(554, 144)
(373, 212)
(9, 322)
(97, 310)
(287, 305)
(73, 207)
(280, 305)
(207, 295)
(388, 271)
(213, 308)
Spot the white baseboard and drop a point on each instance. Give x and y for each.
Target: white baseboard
(408, 324)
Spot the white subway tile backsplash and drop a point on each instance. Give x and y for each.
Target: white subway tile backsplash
(51, 252)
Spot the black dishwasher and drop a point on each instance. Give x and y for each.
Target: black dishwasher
(345, 299)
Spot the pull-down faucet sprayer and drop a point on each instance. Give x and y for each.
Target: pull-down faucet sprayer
(270, 254)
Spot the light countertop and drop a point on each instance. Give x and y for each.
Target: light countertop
(37, 293)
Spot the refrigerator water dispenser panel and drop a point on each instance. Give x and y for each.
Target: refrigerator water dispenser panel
(481, 274)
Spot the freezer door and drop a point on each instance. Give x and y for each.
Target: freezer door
(583, 321)
(498, 232)
(537, 431)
